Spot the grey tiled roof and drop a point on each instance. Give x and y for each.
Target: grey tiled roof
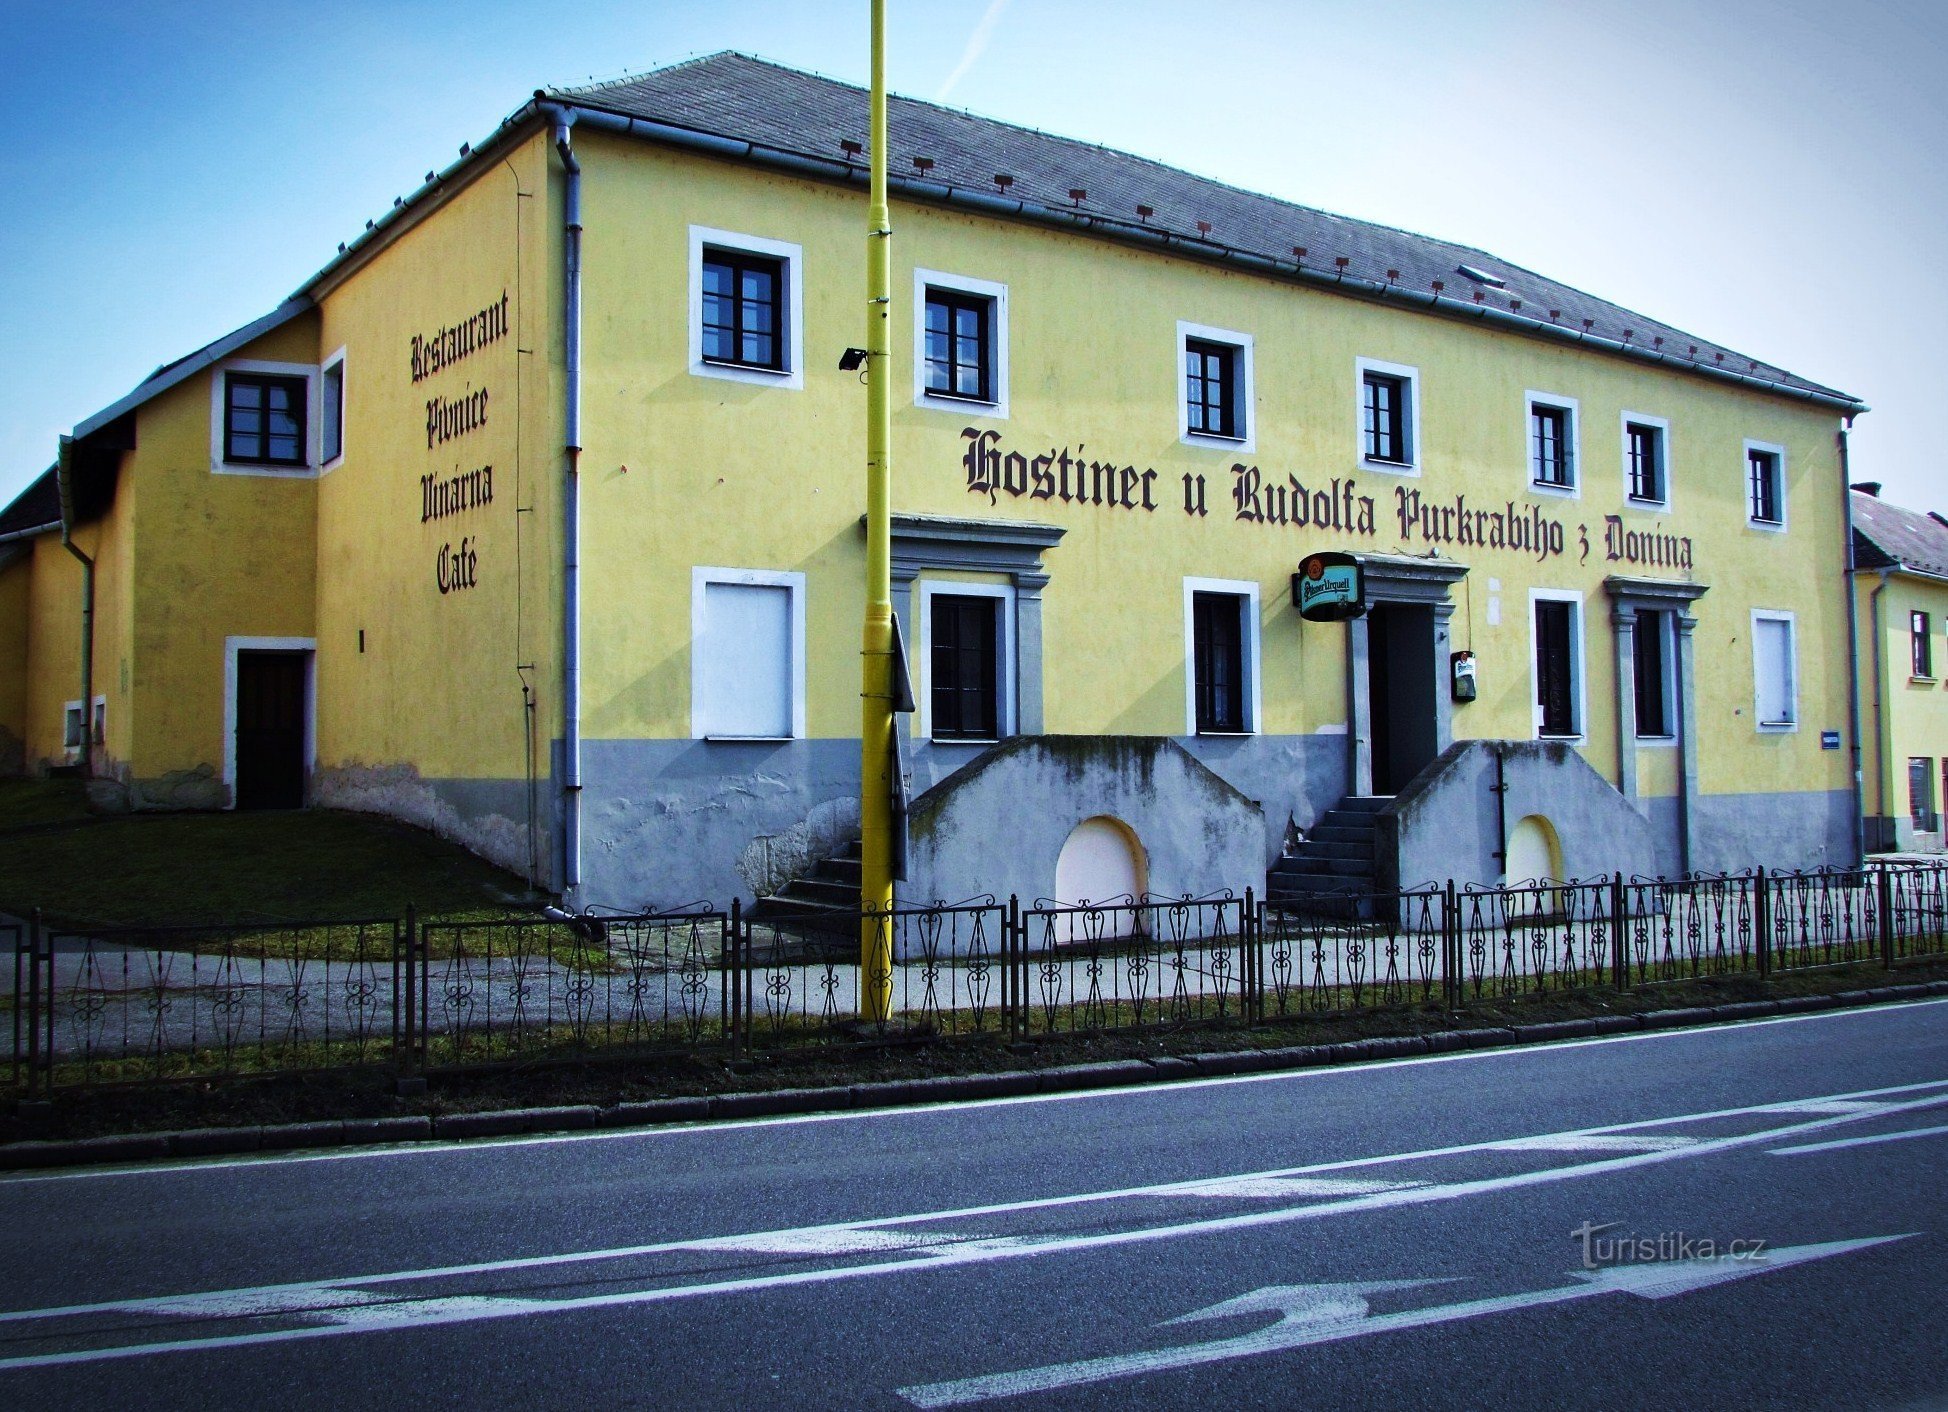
(1889, 536)
(35, 508)
(735, 96)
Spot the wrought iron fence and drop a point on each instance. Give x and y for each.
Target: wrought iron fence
(1130, 963)
(134, 1005)
(799, 972)
(536, 988)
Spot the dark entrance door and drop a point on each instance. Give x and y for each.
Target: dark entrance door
(270, 730)
(1401, 681)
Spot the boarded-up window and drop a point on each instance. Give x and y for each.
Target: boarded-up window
(1773, 663)
(742, 658)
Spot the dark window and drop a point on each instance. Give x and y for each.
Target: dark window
(960, 345)
(1549, 437)
(1762, 486)
(743, 309)
(334, 412)
(263, 419)
(1653, 698)
(964, 668)
(1211, 389)
(1385, 418)
(1920, 792)
(1218, 658)
(1555, 683)
(1921, 643)
(1646, 454)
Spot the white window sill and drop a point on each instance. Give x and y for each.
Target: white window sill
(1574, 739)
(983, 742)
(1769, 526)
(1656, 742)
(1921, 681)
(1661, 507)
(1390, 468)
(748, 739)
(1572, 491)
(1777, 727)
(1225, 735)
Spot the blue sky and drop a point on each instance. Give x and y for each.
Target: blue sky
(1766, 175)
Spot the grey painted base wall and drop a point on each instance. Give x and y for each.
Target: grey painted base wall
(486, 816)
(665, 822)
(1786, 830)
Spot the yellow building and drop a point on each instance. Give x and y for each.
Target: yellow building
(1901, 592)
(534, 517)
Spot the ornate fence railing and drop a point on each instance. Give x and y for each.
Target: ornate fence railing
(128, 1005)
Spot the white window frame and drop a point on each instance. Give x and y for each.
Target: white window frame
(997, 296)
(1578, 663)
(1005, 678)
(1778, 454)
(1791, 620)
(1411, 377)
(335, 360)
(231, 647)
(99, 736)
(313, 428)
(1663, 425)
(1573, 441)
(1246, 391)
(1246, 589)
(792, 257)
(790, 579)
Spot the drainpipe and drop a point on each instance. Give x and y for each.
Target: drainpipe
(1853, 656)
(1880, 718)
(63, 479)
(571, 522)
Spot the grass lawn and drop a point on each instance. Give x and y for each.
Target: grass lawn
(175, 869)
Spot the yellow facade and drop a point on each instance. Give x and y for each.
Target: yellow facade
(422, 573)
(1904, 708)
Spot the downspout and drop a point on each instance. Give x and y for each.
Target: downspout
(571, 526)
(1880, 718)
(1853, 654)
(64, 481)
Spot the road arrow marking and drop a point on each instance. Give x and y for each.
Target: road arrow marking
(1331, 1313)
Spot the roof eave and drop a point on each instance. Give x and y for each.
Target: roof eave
(203, 358)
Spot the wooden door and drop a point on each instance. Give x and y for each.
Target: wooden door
(270, 729)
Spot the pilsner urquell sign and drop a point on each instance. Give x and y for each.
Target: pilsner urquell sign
(1329, 587)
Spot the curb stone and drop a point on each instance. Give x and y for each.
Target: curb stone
(1065, 1078)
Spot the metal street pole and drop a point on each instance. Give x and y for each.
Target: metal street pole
(876, 694)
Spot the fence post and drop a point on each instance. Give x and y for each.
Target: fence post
(1018, 967)
(1886, 889)
(34, 1002)
(1762, 921)
(403, 1051)
(1619, 924)
(1450, 946)
(731, 994)
(1248, 996)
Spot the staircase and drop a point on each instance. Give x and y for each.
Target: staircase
(829, 894)
(1333, 869)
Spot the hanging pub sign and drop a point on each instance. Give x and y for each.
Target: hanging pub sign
(1329, 587)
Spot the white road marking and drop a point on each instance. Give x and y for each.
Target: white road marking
(1855, 1141)
(841, 1240)
(1004, 1208)
(1823, 1105)
(1314, 1314)
(1595, 1142)
(173, 1167)
(1285, 1187)
(448, 1310)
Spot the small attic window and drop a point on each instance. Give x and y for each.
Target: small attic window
(1481, 276)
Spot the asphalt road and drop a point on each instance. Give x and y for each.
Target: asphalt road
(1763, 1213)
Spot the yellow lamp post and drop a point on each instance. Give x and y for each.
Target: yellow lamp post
(876, 694)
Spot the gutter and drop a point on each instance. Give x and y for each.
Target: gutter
(64, 478)
(829, 169)
(31, 532)
(1853, 652)
(1880, 707)
(571, 568)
